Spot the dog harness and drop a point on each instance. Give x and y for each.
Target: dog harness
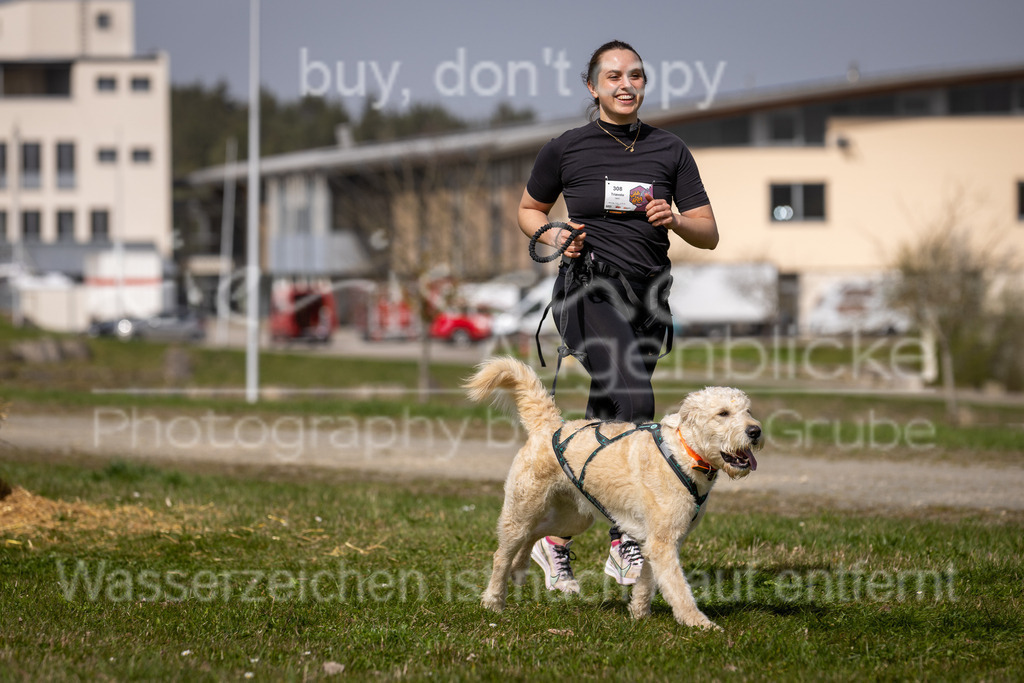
(654, 429)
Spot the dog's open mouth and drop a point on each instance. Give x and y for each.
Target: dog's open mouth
(743, 459)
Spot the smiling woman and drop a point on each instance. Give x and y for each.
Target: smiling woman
(620, 179)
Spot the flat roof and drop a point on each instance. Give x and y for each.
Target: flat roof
(500, 141)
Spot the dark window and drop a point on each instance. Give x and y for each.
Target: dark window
(1020, 200)
(65, 164)
(31, 165)
(814, 201)
(100, 220)
(880, 105)
(916, 104)
(782, 127)
(106, 83)
(65, 226)
(141, 155)
(140, 83)
(3, 165)
(106, 155)
(3, 226)
(797, 202)
(37, 80)
(815, 123)
(727, 132)
(782, 202)
(990, 98)
(103, 20)
(31, 230)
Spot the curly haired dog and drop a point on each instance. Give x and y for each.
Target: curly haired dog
(630, 477)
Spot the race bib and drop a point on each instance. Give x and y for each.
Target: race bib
(627, 195)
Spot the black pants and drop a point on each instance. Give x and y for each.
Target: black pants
(620, 358)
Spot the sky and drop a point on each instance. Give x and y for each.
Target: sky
(472, 55)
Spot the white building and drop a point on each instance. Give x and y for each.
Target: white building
(85, 163)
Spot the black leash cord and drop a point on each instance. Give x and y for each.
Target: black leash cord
(573, 233)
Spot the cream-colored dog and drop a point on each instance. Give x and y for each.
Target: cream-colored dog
(630, 478)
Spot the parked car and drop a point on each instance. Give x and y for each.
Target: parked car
(461, 327)
(522, 319)
(181, 325)
(302, 313)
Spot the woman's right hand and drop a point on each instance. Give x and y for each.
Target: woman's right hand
(561, 235)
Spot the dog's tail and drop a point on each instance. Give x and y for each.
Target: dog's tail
(535, 406)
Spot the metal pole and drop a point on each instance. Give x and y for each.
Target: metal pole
(117, 226)
(15, 225)
(227, 239)
(252, 347)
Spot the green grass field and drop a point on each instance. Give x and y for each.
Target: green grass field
(110, 569)
(145, 573)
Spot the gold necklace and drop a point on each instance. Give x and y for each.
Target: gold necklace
(630, 146)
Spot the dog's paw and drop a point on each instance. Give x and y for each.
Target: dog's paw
(695, 618)
(639, 611)
(702, 622)
(493, 603)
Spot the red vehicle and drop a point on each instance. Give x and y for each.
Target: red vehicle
(461, 327)
(302, 313)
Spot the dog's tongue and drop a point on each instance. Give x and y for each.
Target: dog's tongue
(750, 457)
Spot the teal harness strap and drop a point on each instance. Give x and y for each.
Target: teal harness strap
(603, 441)
(652, 428)
(559, 448)
(655, 430)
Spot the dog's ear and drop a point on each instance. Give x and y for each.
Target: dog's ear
(673, 420)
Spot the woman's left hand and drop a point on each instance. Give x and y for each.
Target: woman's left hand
(660, 213)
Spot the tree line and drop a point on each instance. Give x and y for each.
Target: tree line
(204, 117)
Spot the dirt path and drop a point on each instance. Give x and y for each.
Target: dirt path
(420, 447)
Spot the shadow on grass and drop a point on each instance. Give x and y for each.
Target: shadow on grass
(660, 608)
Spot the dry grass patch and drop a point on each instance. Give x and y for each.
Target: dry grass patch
(26, 517)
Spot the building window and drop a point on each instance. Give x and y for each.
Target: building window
(3, 227)
(106, 155)
(3, 165)
(140, 84)
(65, 226)
(106, 83)
(65, 164)
(916, 104)
(31, 165)
(1020, 200)
(103, 20)
(782, 126)
(990, 98)
(798, 202)
(100, 228)
(141, 155)
(31, 228)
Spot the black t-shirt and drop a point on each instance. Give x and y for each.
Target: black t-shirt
(603, 185)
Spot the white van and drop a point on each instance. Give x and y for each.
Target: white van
(522, 318)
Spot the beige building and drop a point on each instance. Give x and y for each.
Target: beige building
(823, 182)
(84, 162)
(827, 184)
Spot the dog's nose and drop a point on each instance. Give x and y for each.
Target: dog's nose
(754, 432)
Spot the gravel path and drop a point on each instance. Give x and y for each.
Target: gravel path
(423, 448)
